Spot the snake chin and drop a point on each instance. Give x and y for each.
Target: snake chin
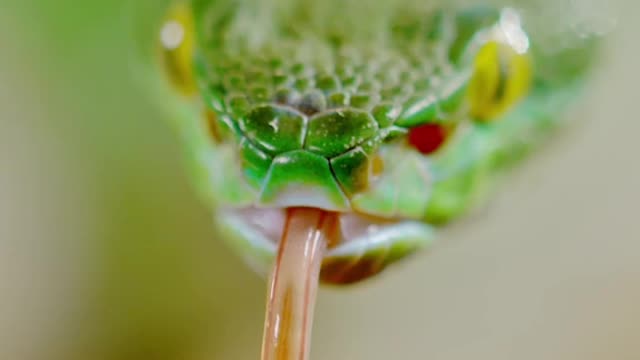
(352, 226)
(364, 244)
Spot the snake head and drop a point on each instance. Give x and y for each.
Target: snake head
(386, 122)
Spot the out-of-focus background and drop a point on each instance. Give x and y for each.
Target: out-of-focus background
(106, 254)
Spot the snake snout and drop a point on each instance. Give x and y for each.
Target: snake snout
(302, 178)
(317, 160)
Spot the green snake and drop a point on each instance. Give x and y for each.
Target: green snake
(397, 115)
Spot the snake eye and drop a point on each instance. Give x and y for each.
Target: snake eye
(502, 70)
(501, 78)
(428, 138)
(176, 47)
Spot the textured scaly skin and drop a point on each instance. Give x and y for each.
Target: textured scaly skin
(284, 102)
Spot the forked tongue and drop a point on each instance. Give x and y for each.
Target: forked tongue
(293, 283)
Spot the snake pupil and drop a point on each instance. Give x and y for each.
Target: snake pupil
(427, 138)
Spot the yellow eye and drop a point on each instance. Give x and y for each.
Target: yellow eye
(176, 47)
(501, 77)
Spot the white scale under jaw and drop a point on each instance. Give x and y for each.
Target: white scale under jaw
(353, 227)
(363, 247)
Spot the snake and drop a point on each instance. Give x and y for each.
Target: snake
(400, 116)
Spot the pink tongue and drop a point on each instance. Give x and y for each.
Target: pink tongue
(294, 282)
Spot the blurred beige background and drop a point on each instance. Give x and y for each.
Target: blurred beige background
(105, 253)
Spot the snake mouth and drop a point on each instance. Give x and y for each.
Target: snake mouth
(364, 245)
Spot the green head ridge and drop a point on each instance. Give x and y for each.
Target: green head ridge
(399, 123)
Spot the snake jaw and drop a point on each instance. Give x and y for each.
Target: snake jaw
(298, 123)
(365, 245)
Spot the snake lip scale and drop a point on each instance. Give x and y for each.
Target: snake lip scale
(359, 237)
